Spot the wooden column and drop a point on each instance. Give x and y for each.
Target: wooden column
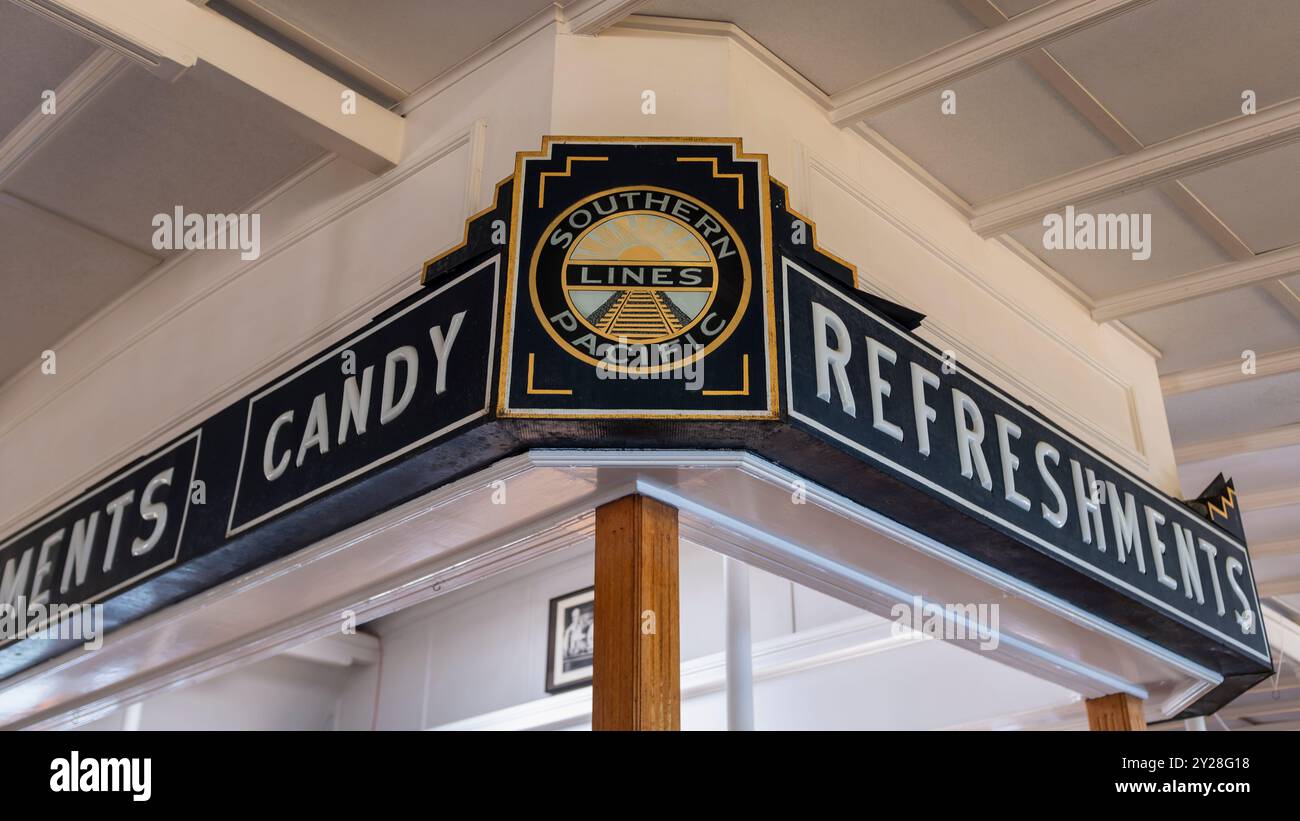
(637, 677)
(1117, 711)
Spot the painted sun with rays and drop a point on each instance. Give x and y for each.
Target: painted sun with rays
(641, 314)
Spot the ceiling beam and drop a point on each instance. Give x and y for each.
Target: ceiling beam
(1108, 125)
(162, 33)
(1198, 150)
(93, 74)
(1282, 548)
(973, 54)
(309, 42)
(341, 650)
(1212, 449)
(1199, 379)
(1276, 726)
(1267, 499)
(1260, 268)
(1280, 587)
(591, 17)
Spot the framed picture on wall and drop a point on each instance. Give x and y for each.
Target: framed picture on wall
(570, 644)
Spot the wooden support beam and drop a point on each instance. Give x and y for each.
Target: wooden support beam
(636, 682)
(1117, 711)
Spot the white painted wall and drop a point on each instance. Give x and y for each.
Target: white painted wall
(279, 693)
(482, 649)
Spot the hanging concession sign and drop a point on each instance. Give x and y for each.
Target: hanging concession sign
(642, 293)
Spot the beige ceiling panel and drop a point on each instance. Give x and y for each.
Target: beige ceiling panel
(1250, 405)
(1011, 8)
(53, 274)
(1010, 130)
(1216, 329)
(1257, 196)
(836, 43)
(1173, 66)
(35, 55)
(411, 41)
(1175, 245)
(1273, 525)
(143, 146)
(1251, 472)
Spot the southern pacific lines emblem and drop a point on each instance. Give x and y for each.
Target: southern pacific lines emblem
(642, 276)
(639, 266)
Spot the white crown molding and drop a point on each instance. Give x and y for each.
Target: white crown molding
(591, 17)
(737, 35)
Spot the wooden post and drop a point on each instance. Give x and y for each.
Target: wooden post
(636, 682)
(1117, 711)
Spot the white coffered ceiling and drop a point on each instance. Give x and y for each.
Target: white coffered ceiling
(1032, 108)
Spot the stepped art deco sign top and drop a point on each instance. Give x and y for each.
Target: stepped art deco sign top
(621, 288)
(644, 293)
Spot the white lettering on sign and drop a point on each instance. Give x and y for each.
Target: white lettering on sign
(399, 383)
(1107, 512)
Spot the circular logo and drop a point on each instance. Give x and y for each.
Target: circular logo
(639, 266)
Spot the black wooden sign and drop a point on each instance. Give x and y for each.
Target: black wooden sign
(650, 293)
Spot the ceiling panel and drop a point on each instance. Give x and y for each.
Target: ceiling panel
(1251, 472)
(1258, 197)
(1176, 246)
(35, 55)
(836, 43)
(1010, 130)
(1275, 524)
(1248, 405)
(408, 42)
(53, 274)
(143, 146)
(1216, 329)
(1174, 66)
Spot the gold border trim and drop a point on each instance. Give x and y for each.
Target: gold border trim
(812, 228)
(496, 196)
(773, 410)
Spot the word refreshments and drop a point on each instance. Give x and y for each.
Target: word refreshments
(872, 387)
